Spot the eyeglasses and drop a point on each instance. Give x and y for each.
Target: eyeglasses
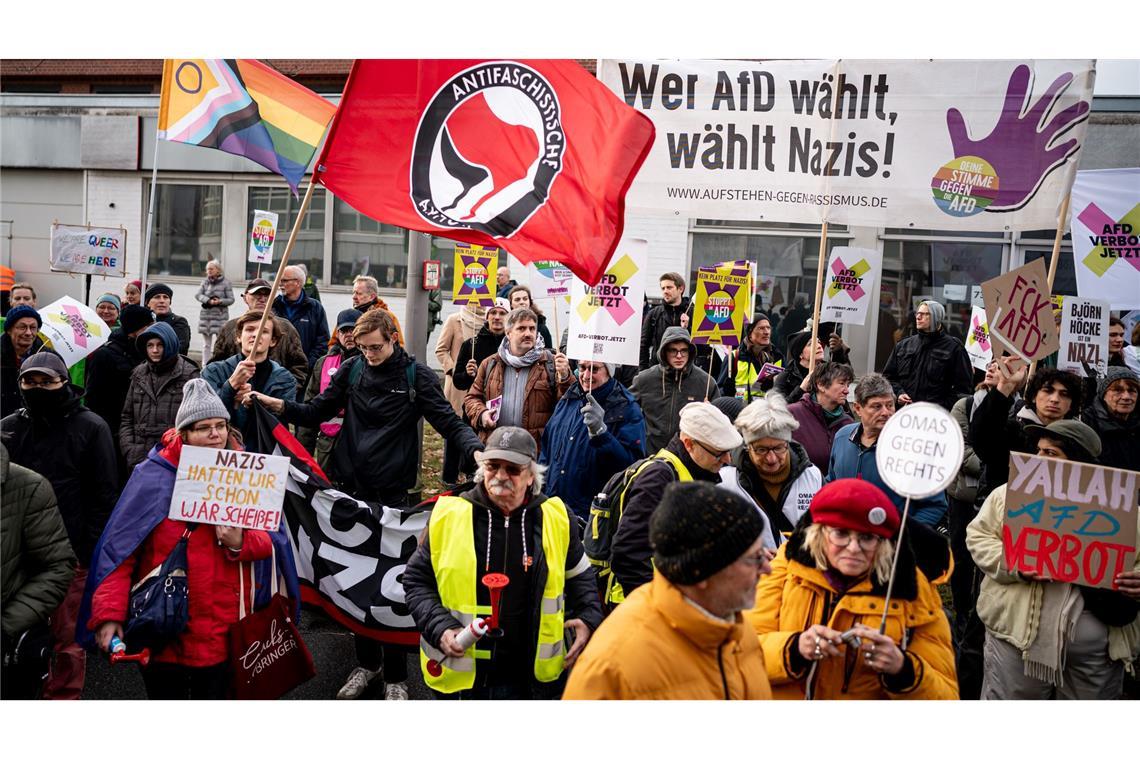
(290, 279)
(26, 328)
(676, 352)
(595, 368)
(40, 382)
(713, 452)
(840, 537)
(217, 427)
(756, 562)
(494, 465)
(372, 349)
(763, 451)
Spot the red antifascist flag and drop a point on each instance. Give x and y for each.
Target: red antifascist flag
(534, 156)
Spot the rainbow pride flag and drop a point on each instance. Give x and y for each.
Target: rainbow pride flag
(246, 108)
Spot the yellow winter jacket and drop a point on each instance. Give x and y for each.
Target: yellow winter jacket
(796, 596)
(1010, 606)
(658, 645)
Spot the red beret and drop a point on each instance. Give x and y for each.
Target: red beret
(855, 504)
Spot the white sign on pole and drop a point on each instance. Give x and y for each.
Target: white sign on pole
(920, 450)
(945, 144)
(852, 274)
(1105, 230)
(226, 487)
(1084, 335)
(72, 329)
(262, 237)
(88, 250)
(605, 320)
(549, 279)
(978, 339)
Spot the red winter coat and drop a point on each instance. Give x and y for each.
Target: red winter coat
(212, 574)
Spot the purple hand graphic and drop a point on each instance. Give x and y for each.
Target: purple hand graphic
(1018, 148)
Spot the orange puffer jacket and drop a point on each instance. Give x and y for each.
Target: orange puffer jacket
(796, 596)
(657, 645)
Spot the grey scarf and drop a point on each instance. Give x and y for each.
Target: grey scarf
(524, 361)
(1061, 606)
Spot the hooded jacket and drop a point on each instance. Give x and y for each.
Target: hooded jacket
(931, 366)
(486, 344)
(181, 329)
(458, 329)
(376, 456)
(308, 316)
(540, 394)
(849, 459)
(37, 560)
(521, 601)
(154, 395)
(658, 645)
(660, 318)
(581, 465)
(71, 447)
(139, 536)
(662, 391)
(631, 553)
(816, 433)
(109, 376)
(797, 595)
(1119, 439)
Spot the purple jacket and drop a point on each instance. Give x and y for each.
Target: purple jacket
(815, 434)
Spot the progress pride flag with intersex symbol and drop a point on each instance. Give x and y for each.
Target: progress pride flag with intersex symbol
(534, 156)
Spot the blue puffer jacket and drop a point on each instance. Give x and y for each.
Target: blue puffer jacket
(577, 470)
(850, 460)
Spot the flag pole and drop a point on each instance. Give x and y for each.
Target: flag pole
(285, 259)
(1053, 260)
(149, 218)
(818, 298)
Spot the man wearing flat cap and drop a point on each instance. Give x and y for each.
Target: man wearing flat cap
(682, 635)
(704, 444)
(503, 527)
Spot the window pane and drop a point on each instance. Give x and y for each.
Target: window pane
(310, 246)
(187, 230)
(917, 270)
(1065, 283)
(363, 246)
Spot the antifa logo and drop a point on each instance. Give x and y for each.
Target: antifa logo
(487, 150)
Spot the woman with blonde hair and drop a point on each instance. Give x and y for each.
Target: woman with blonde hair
(818, 614)
(215, 294)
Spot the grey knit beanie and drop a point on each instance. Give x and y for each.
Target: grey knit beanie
(698, 530)
(767, 417)
(199, 402)
(1114, 374)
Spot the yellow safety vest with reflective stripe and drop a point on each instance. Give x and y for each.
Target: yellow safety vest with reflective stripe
(451, 533)
(614, 592)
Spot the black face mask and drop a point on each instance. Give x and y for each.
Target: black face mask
(46, 402)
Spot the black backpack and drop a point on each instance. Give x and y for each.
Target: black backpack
(606, 511)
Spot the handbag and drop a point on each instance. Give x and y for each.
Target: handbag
(160, 603)
(268, 657)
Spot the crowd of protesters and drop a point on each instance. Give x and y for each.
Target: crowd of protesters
(706, 525)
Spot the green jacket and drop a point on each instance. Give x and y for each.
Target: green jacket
(36, 559)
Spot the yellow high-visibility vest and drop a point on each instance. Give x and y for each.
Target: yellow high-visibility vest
(614, 592)
(456, 566)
